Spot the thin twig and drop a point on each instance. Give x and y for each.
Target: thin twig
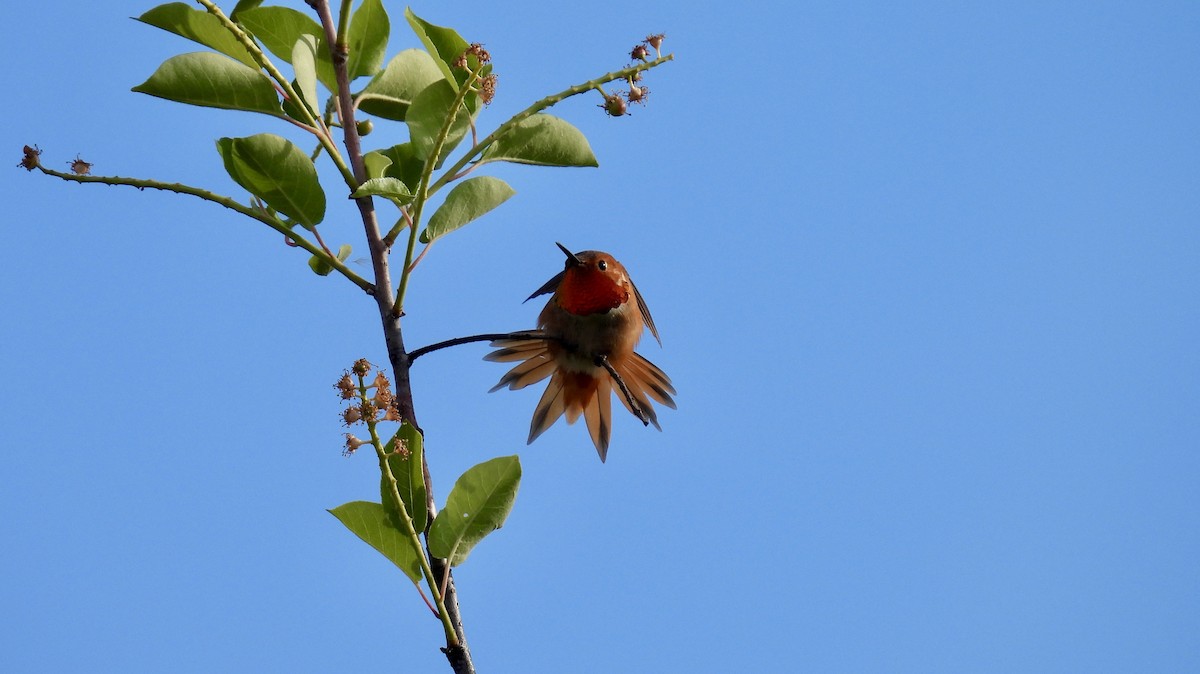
(537, 107)
(258, 214)
(413, 355)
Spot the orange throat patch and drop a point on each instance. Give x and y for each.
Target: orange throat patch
(586, 292)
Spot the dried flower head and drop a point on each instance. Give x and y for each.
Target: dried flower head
(361, 367)
(384, 399)
(381, 381)
(29, 160)
(639, 53)
(487, 88)
(655, 40)
(352, 444)
(351, 415)
(475, 49)
(79, 166)
(614, 105)
(479, 52)
(369, 411)
(346, 388)
(637, 94)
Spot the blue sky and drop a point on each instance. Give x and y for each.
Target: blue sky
(926, 279)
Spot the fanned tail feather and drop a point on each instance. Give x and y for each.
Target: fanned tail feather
(536, 362)
(518, 348)
(538, 367)
(575, 394)
(598, 416)
(549, 408)
(657, 383)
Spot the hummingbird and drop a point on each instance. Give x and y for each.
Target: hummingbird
(586, 333)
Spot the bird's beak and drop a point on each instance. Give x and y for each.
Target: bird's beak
(570, 256)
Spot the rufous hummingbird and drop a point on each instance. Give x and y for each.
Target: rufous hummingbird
(593, 321)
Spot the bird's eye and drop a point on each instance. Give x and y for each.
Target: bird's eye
(602, 265)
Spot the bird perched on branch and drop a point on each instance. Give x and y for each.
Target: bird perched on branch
(584, 343)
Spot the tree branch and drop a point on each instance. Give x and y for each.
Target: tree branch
(456, 649)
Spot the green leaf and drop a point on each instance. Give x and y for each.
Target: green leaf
(278, 28)
(478, 505)
(406, 165)
(444, 43)
(409, 472)
(468, 200)
(212, 80)
(376, 163)
(542, 140)
(291, 108)
(367, 39)
(242, 6)
(320, 264)
(427, 114)
(199, 26)
(447, 45)
(304, 62)
(276, 171)
(384, 187)
(390, 93)
(370, 522)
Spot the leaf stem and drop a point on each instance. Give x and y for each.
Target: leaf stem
(420, 256)
(320, 241)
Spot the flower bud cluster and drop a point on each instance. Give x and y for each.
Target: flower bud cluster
(486, 88)
(370, 402)
(617, 104)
